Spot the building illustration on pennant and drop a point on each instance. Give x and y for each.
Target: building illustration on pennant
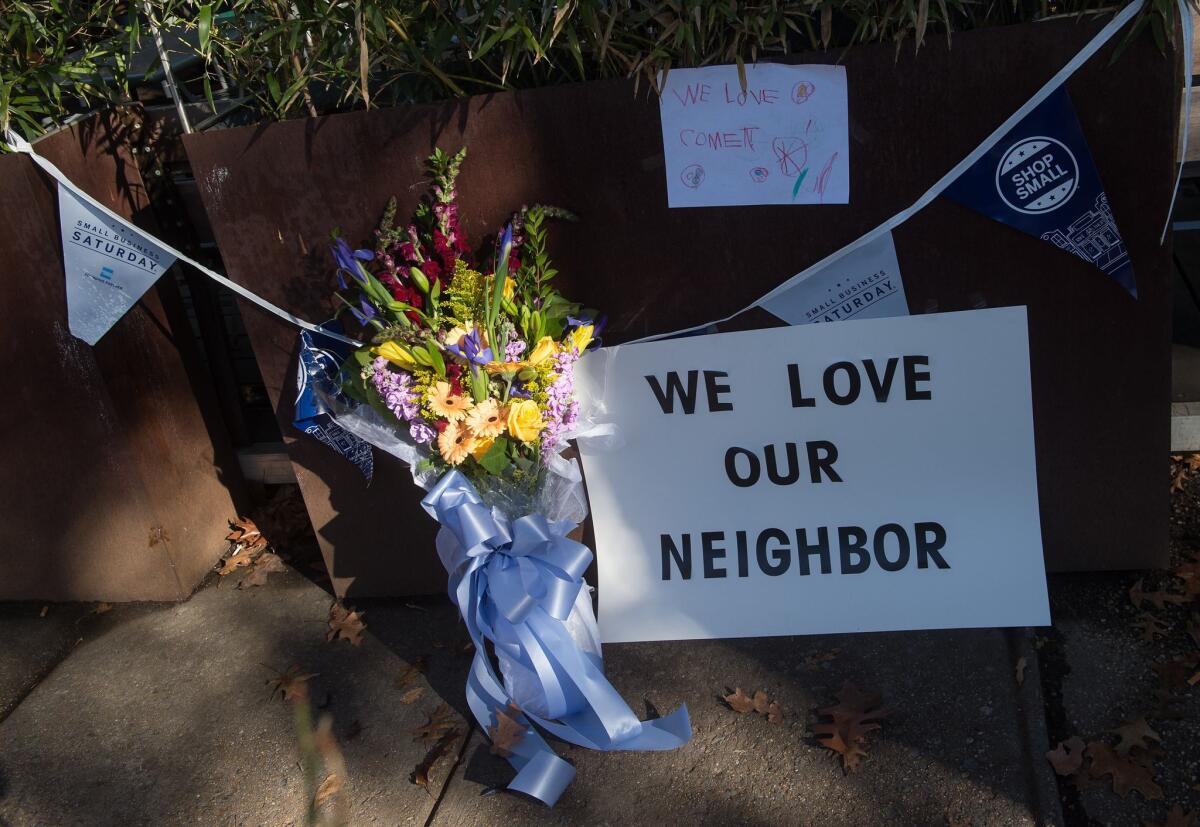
(1093, 237)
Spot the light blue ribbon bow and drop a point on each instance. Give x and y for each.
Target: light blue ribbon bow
(515, 583)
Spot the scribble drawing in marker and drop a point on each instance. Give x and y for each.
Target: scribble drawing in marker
(692, 176)
(759, 174)
(799, 181)
(802, 91)
(791, 153)
(822, 180)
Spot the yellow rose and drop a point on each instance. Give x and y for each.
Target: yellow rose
(581, 337)
(397, 355)
(525, 420)
(482, 446)
(544, 350)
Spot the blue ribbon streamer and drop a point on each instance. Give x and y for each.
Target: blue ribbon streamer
(515, 581)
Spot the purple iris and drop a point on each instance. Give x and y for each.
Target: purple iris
(469, 349)
(345, 258)
(367, 313)
(506, 243)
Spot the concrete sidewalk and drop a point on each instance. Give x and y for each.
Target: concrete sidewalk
(162, 715)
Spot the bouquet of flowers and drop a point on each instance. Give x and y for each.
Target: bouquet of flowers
(468, 376)
(473, 362)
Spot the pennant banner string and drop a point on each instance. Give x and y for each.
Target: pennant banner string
(1081, 57)
(21, 145)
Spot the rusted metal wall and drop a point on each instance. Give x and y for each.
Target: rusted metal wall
(107, 448)
(1099, 358)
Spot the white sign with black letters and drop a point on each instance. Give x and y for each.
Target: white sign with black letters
(108, 266)
(866, 476)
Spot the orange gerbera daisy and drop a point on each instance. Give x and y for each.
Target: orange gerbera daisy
(444, 402)
(487, 419)
(455, 443)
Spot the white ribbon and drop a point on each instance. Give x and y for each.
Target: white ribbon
(19, 144)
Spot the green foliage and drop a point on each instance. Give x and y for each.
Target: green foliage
(60, 55)
(311, 57)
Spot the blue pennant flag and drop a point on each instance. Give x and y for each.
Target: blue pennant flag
(1040, 178)
(318, 368)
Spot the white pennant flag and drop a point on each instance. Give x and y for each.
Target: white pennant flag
(863, 284)
(108, 265)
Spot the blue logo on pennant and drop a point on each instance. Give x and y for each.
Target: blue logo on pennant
(106, 273)
(1037, 175)
(1042, 165)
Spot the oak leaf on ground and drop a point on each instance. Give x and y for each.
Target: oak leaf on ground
(739, 701)
(759, 702)
(411, 672)
(1127, 774)
(854, 715)
(265, 565)
(1067, 757)
(292, 684)
(439, 724)
(1151, 627)
(345, 625)
(1160, 598)
(412, 694)
(1135, 734)
(1174, 674)
(507, 732)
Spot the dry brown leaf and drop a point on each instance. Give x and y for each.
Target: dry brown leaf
(739, 701)
(45, 610)
(1150, 626)
(1021, 671)
(761, 702)
(1178, 478)
(158, 535)
(1174, 674)
(418, 667)
(345, 625)
(1135, 734)
(507, 732)
(442, 722)
(330, 787)
(1176, 818)
(1159, 598)
(775, 713)
(292, 685)
(421, 773)
(854, 715)
(1067, 757)
(412, 694)
(1126, 775)
(267, 563)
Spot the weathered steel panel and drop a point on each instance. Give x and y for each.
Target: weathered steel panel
(103, 447)
(1100, 358)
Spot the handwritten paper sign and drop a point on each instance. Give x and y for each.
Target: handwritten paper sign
(863, 476)
(863, 284)
(781, 140)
